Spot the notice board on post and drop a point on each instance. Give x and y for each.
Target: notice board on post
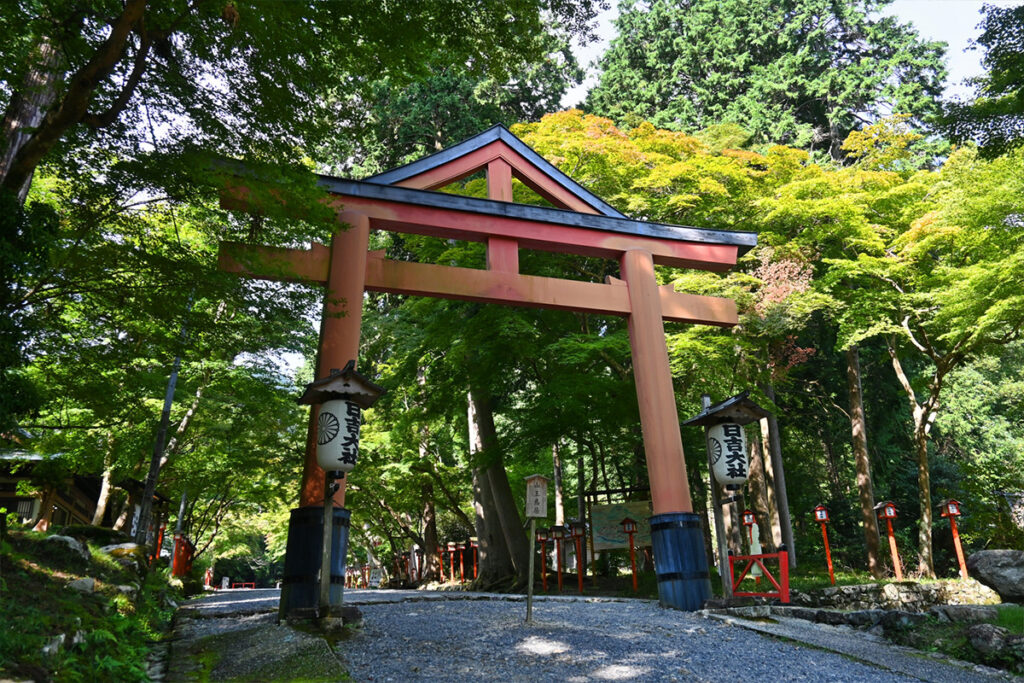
(607, 524)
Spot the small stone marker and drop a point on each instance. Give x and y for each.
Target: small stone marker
(375, 577)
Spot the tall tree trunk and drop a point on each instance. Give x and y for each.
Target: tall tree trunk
(146, 504)
(556, 463)
(431, 565)
(27, 108)
(496, 563)
(924, 415)
(865, 489)
(779, 475)
(73, 108)
(105, 482)
(758, 496)
(769, 480)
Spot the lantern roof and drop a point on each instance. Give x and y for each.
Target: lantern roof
(739, 409)
(347, 384)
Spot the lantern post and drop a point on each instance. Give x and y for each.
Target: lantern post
(578, 528)
(887, 511)
(557, 534)
(542, 538)
(821, 516)
(341, 397)
(748, 521)
(629, 528)
(728, 463)
(952, 509)
(536, 506)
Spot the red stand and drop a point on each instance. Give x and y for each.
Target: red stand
(781, 585)
(544, 566)
(828, 554)
(896, 564)
(959, 550)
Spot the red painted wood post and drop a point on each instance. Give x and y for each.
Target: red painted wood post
(896, 564)
(632, 560)
(959, 550)
(475, 552)
(659, 419)
(784, 576)
(558, 553)
(544, 565)
(339, 334)
(828, 554)
(451, 560)
(440, 560)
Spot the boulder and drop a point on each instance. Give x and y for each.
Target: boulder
(865, 618)
(123, 550)
(1000, 570)
(70, 544)
(85, 585)
(965, 613)
(898, 619)
(987, 639)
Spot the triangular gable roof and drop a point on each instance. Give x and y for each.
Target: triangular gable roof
(471, 155)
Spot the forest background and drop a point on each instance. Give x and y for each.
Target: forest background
(889, 264)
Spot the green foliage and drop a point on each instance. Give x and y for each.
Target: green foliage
(995, 119)
(802, 73)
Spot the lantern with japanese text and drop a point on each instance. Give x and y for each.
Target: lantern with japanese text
(821, 514)
(728, 450)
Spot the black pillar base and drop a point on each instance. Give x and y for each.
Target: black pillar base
(300, 594)
(679, 560)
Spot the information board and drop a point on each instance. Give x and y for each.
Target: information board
(607, 524)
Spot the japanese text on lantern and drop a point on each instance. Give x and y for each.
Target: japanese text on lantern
(735, 450)
(350, 441)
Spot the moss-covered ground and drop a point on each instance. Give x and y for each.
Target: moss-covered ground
(107, 634)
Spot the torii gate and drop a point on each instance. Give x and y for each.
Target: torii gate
(400, 200)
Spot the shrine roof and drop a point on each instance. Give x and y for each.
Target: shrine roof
(493, 134)
(559, 217)
(739, 409)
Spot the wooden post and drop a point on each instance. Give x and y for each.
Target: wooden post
(959, 550)
(896, 564)
(339, 332)
(724, 567)
(325, 560)
(659, 419)
(828, 554)
(529, 585)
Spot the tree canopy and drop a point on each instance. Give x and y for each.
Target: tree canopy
(803, 73)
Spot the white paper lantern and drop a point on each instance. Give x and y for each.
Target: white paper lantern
(337, 435)
(728, 449)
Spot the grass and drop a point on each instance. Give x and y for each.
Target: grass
(114, 633)
(951, 638)
(1011, 617)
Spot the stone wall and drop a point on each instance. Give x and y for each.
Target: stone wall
(909, 596)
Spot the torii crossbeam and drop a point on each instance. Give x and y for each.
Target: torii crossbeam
(401, 201)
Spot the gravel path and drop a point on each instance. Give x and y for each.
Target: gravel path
(455, 636)
(578, 641)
